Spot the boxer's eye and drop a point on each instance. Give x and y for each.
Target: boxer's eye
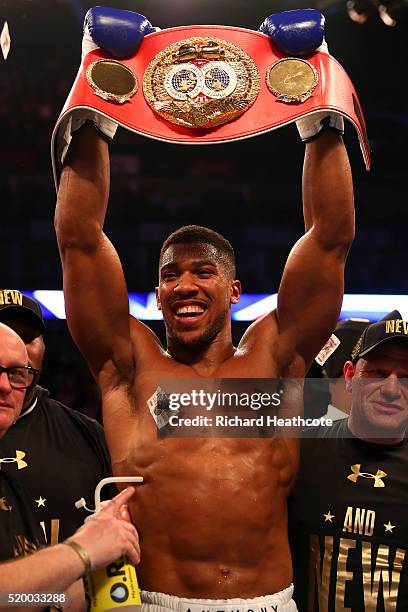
(204, 273)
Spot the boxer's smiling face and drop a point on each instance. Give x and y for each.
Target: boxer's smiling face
(195, 294)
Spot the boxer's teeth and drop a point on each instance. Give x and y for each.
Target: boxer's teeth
(189, 311)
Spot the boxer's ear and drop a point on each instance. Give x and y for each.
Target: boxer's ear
(157, 298)
(236, 291)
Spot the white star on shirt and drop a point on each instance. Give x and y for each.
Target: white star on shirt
(328, 517)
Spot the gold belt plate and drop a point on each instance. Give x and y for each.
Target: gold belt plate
(112, 80)
(292, 79)
(201, 82)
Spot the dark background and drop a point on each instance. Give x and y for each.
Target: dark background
(250, 191)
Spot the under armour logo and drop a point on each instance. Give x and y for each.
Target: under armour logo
(356, 474)
(17, 459)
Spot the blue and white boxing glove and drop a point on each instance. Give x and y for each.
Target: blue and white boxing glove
(300, 33)
(119, 33)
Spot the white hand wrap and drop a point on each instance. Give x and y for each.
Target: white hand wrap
(76, 120)
(310, 126)
(88, 44)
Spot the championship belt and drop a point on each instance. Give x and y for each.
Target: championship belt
(210, 84)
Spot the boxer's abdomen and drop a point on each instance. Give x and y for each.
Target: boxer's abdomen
(211, 515)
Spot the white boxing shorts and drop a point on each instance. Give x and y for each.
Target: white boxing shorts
(160, 602)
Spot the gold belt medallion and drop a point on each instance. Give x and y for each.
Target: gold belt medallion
(112, 80)
(292, 79)
(201, 82)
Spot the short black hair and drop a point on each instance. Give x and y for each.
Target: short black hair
(198, 234)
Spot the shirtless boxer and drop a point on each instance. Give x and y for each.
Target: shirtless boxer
(211, 513)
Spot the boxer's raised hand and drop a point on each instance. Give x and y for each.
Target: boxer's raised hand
(300, 33)
(120, 34)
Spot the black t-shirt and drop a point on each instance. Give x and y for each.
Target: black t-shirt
(348, 525)
(58, 456)
(19, 533)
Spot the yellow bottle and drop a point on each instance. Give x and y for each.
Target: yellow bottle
(114, 586)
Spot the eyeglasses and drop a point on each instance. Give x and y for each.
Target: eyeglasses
(20, 377)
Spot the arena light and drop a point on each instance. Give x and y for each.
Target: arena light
(260, 306)
(251, 306)
(392, 13)
(52, 302)
(385, 16)
(373, 307)
(143, 306)
(360, 10)
(5, 40)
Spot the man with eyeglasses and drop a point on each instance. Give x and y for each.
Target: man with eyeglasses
(20, 378)
(56, 453)
(102, 540)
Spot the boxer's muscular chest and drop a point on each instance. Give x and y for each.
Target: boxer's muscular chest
(131, 423)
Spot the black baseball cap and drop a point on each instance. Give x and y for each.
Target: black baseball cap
(12, 301)
(347, 332)
(391, 327)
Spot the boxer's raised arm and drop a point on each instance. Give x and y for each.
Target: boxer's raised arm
(95, 291)
(96, 299)
(311, 290)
